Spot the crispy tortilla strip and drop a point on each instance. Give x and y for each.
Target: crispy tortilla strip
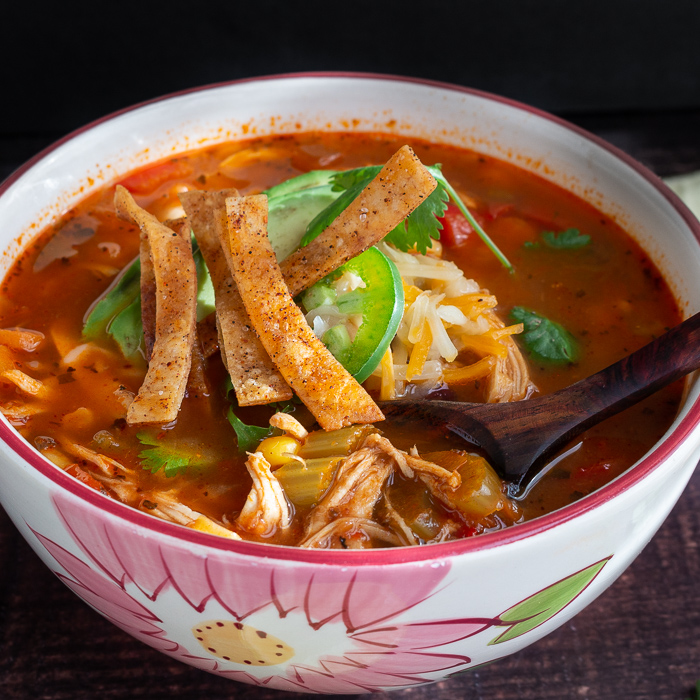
(148, 293)
(255, 378)
(163, 389)
(400, 186)
(208, 335)
(321, 382)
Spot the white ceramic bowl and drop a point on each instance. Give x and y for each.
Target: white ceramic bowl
(333, 621)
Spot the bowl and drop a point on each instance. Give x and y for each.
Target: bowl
(359, 621)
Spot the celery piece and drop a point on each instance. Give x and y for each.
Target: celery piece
(418, 512)
(318, 295)
(351, 302)
(337, 340)
(305, 484)
(481, 492)
(321, 443)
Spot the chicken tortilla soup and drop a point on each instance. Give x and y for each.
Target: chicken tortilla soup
(209, 340)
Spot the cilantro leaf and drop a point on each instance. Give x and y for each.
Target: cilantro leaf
(571, 239)
(545, 339)
(160, 456)
(422, 224)
(248, 436)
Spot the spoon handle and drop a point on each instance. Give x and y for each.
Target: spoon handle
(553, 419)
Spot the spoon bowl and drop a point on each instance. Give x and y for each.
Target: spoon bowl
(518, 438)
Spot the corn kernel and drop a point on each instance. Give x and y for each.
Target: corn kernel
(276, 449)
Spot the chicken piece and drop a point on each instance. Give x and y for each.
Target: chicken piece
(354, 492)
(107, 466)
(351, 533)
(289, 424)
(266, 510)
(410, 464)
(510, 378)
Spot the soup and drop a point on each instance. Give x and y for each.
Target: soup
(555, 292)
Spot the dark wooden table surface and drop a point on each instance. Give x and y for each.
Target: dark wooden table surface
(640, 640)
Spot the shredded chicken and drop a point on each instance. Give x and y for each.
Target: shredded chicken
(351, 533)
(510, 378)
(107, 465)
(354, 492)
(24, 382)
(18, 412)
(266, 510)
(409, 464)
(289, 424)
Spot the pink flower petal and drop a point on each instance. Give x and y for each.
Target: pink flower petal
(408, 663)
(188, 573)
(94, 582)
(375, 595)
(118, 556)
(422, 635)
(240, 589)
(343, 676)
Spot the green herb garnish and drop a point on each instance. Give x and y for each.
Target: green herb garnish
(545, 339)
(571, 239)
(248, 436)
(160, 456)
(422, 225)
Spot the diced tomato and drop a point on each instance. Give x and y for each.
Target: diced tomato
(455, 228)
(466, 531)
(496, 209)
(146, 181)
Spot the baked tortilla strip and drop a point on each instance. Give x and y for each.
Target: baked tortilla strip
(148, 294)
(255, 378)
(327, 389)
(197, 384)
(162, 391)
(399, 187)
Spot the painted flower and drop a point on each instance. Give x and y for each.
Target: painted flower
(341, 632)
(298, 626)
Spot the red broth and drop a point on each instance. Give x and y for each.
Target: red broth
(608, 295)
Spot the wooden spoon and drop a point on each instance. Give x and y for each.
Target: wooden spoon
(519, 437)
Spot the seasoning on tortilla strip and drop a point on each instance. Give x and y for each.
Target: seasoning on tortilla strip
(162, 391)
(399, 187)
(254, 377)
(321, 382)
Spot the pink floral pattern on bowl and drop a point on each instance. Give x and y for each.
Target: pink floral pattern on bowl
(374, 638)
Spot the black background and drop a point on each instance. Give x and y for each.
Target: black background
(67, 63)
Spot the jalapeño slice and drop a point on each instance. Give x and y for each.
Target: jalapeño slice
(379, 300)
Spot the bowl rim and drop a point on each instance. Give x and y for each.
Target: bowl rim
(380, 557)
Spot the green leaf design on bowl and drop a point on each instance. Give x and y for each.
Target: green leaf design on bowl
(545, 604)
